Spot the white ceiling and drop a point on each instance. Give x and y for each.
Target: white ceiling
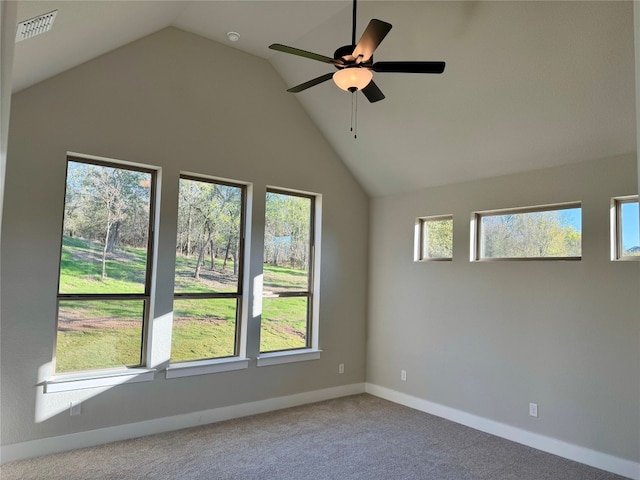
(527, 84)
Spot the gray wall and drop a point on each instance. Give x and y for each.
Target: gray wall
(488, 338)
(179, 102)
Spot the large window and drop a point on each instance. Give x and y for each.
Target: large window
(208, 275)
(626, 237)
(546, 232)
(288, 272)
(105, 266)
(434, 238)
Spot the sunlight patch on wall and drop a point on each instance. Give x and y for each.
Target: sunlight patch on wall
(160, 339)
(257, 296)
(48, 406)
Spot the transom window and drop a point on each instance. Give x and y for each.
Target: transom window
(625, 234)
(105, 266)
(434, 238)
(544, 232)
(288, 271)
(209, 265)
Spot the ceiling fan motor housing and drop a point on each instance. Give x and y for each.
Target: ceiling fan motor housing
(345, 54)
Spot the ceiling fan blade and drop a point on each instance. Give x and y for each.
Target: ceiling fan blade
(370, 39)
(372, 92)
(304, 53)
(409, 67)
(311, 83)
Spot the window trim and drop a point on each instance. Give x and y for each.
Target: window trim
(280, 357)
(146, 296)
(204, 367)
(476, 231)
(310, 351)
(419, 234)
(616, 228)
(97, 379)
(220, 364)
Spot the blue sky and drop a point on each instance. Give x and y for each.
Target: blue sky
(630, 227)
(573, 217)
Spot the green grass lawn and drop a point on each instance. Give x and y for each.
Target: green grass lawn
(197, 340)
(220, 279)
(283, 323)
(81, 268)
(108, 333)
(95, 349)
(281, 278)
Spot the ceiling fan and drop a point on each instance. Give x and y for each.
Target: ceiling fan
(355, 62)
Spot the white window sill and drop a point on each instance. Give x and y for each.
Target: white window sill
(289, 356)
(67, 383)
(203, 367)
(526, 259)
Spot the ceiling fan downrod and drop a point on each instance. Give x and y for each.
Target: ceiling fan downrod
(353, 29)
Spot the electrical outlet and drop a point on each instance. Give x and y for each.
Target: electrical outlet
(341, 368)
(403, 375)
(75, 408)
(533, 410)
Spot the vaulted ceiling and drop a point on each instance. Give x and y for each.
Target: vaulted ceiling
(527, 84)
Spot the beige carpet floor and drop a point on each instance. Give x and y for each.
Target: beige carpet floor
(356, 437)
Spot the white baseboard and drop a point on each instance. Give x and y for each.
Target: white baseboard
(62, 443)
(593, 458)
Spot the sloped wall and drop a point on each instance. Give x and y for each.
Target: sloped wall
(182, 103)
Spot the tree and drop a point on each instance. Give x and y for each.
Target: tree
(229, 224)
(209, 222)
(188, 200)
(205, 220)
(287, 230)
(108, 205)
(438, 238)
(529, 235)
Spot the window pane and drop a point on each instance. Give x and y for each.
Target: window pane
(287, 243)
(99, 334)
(105, 231)
(629, 229)
(437, 238)
(539, 234)
(284, 323)
(203, 328)
(208, 243)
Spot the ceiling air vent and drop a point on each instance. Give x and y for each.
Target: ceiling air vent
(35, 26)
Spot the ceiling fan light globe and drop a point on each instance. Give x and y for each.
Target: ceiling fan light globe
(349, 79)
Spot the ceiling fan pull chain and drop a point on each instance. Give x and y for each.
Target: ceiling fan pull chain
(351, 112)
(354, 113)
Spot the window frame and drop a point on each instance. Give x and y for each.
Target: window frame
(616, 228)
(224, 363)
(419, 253)
(145, 297)
(476, 231)
(310, 351)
